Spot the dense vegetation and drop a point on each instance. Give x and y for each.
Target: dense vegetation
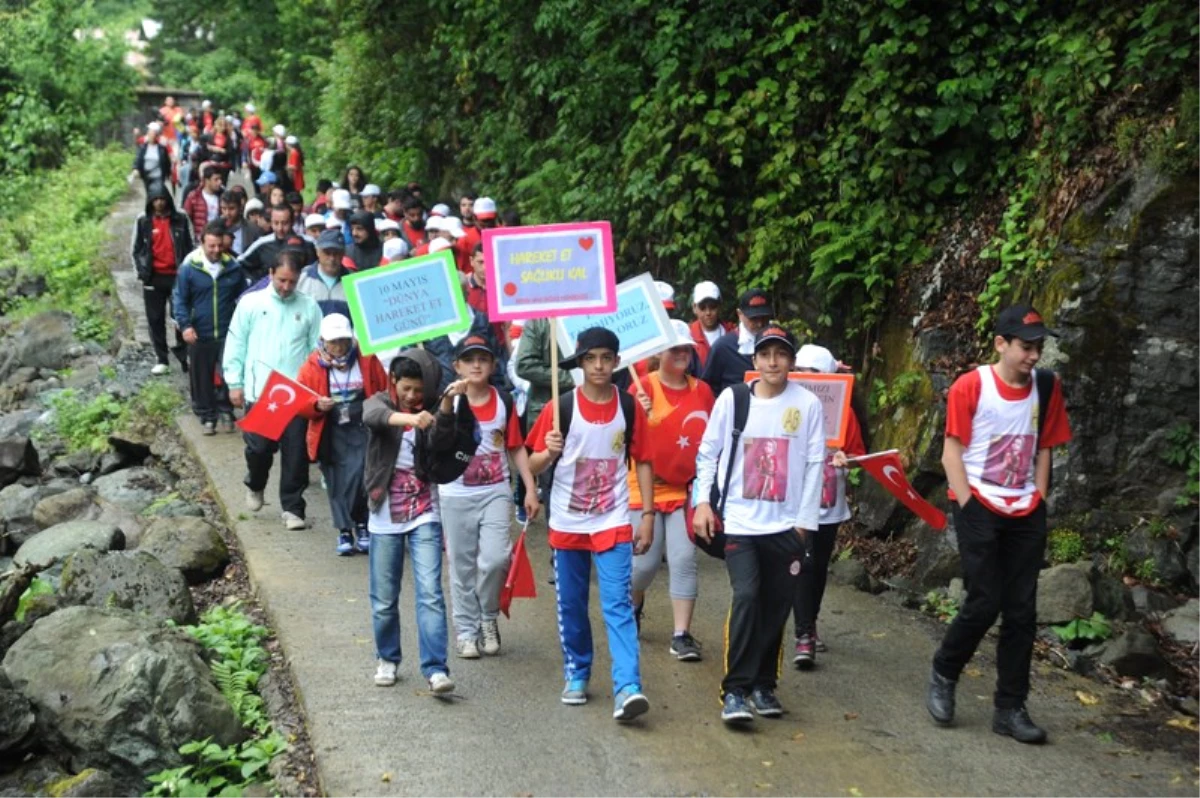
(822, 145)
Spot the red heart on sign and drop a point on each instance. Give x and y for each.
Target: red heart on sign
(586, 243)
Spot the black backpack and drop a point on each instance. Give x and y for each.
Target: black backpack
(1044, 379)
(715, 547)
(445, 450)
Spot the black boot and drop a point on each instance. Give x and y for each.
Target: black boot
(1016, 724)
(940, 698)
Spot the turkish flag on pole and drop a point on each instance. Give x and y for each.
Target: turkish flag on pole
(280, 401)
(520, 582)
(889, 472)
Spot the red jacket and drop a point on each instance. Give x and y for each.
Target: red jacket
(316, 377)
(702, 344)
(196, 209)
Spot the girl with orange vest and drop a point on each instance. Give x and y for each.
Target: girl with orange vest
(678, 406)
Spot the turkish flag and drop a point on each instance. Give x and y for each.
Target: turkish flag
(675, 440)
(888, 471)
(520, 582)
(280, 401)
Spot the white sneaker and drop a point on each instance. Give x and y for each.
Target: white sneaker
(254, 500)
(490, 634)
(293, 521)
(467, 649)
(385, 673)
(440, 684)
(160, 369)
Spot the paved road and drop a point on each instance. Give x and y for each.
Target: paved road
(856, 725)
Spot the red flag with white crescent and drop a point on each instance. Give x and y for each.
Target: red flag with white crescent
(888, 471)
(281, 399)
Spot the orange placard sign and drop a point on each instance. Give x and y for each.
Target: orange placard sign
(834, 391)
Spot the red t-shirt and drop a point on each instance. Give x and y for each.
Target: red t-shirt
(638, 450)
(414, 236)
(294, 162)
(963, 400)
(162, 248)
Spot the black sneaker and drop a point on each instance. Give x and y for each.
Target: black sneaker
(208, 428)
(1015, 723)
(735, 709)
(763, 701)
(940, 699)
(686, 648)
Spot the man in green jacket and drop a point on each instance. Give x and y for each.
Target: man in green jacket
(273, 330)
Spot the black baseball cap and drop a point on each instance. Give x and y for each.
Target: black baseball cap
(472, 343)
(589, 339)
(1022, 321)
(755, 304)
(775, 333)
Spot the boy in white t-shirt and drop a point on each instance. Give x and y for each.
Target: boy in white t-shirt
(771, 514)
(589, 517)
(477, 506)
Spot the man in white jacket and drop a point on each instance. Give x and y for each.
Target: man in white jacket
(770, 512)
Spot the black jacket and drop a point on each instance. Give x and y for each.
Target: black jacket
(260, 256)
(726, 365)
(367, 254)
(143, 231)
(164, 162)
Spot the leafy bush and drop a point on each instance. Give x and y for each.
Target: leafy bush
(1087, 630)
(217, 770)
(1066, 545)
(1183, 450)
(940, 606)
(87, 423)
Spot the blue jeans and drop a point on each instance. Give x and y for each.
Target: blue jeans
(614, 573)
(424, 546)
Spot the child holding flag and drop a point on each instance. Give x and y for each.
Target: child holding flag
(477, 506)
(601, 430)
(678, 406)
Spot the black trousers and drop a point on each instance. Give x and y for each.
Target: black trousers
(293, 463)
(763, 572)
(157, 298)
(1001, 559)
(210, 396)
(813, 577)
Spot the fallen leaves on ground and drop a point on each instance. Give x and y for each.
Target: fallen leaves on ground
(1186, 724)
(974, 673)
(798, 737)
(767, 763)
(386, 778)
(857, 793)
(851, 716)
(1087, 699)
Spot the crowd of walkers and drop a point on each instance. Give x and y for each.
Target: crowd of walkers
(638, 464)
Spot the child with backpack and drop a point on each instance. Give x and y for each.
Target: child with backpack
(678, 406)
(835, 511)
(601, 429)
(766, 443)
(404, 516)
(477, 506)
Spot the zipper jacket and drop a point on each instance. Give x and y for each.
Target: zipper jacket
(203, 303)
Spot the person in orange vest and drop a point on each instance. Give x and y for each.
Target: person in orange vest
(678, 405)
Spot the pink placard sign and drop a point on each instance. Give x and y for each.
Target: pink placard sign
(549, 270)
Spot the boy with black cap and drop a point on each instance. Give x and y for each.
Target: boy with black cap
(730, 357)
(476, 507)
(1002, 421)
(589, 516)
(771, 511)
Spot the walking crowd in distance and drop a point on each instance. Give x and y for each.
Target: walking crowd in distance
(638, 464)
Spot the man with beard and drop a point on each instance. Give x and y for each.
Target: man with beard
(412, 229)
(366, 249)
(264, 252)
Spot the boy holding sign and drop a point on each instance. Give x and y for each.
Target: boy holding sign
(589, 517)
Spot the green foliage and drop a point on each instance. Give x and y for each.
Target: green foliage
(1066, 545)
(904, 388)
(1087, 630)
(1183, 451)
(57, 89)
(1146, 571)
(38, 587)
(84, 423)
(218, 770)
(1118, 554)
(157, 403)
(940, 606)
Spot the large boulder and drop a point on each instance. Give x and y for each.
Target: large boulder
(938, 560)
(44, 341)
(75, 504)
(192, 545)
(1142, 544)
(16, 721)
(18, 458)
(1064, 593)
(850, 572)
(131, 580)
(135, 489)
(59, 541)
(1183, 623)
(1135, 653)
(17, 503)
(117, 691)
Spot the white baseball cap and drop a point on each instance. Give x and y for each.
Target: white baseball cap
(333, 223)
(279, 130)
(249, 108)
(341, 200)
(817, 358)
(154, 127)
(254, 205)
(206, 104)
(453, 226)
(438, 245)
(441, 209)
(291, 141)
(385, 223)
(666, 293)
(683, 336)
(371, 190)
(705, 290)
(335, 327)
(314, 220)
(395, 249)
(435, 223)
(485, 208)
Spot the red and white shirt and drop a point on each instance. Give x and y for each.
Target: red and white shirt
(410, 502)
(589, 503)
(999, 425)
(488, 470)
